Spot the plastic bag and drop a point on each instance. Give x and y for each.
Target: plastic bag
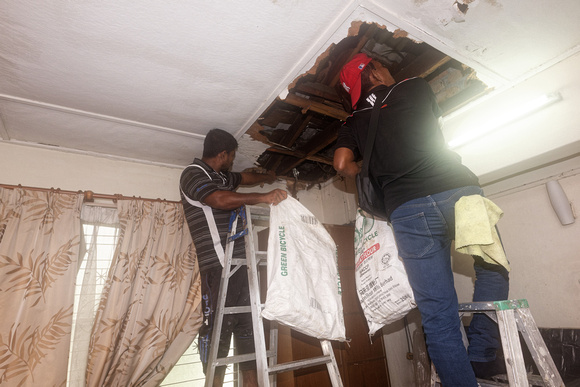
(303, 282)
(381, 280)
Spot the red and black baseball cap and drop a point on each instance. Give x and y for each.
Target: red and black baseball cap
(350, 76)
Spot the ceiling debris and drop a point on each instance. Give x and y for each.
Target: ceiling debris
(300, 130)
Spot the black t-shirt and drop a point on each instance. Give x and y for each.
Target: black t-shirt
(410, 158)
(198, 181)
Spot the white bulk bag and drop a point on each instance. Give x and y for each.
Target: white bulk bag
(303, 283)
(381, 280)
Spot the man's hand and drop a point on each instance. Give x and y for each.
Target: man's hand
(276, 196)
(229, 200)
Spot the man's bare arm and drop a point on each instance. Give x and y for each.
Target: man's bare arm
(252, 178)
(229, 200)
(344, 162)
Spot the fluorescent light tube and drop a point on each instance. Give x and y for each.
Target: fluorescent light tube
(513, 115)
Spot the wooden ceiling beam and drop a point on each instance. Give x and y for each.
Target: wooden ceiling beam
(424, 65)
(301, 155)
(319, 90)
(296, 129)
(316, 144)
(308, 105)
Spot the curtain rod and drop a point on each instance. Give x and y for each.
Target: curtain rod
(89, 196)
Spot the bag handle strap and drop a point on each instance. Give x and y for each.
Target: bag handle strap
(372, 131)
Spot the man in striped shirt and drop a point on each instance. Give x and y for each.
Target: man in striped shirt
(209, 198)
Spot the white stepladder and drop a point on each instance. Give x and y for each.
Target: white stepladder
(513, 316)
(267, 366)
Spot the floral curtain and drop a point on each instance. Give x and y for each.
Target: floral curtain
(150, 311)
(39, 244)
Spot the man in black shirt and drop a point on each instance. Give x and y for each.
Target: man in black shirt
(209, 198)
(421, 181)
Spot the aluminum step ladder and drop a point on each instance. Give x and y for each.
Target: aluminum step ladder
(513, 316)
(267, 366)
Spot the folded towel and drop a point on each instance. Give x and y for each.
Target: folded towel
(475, 232)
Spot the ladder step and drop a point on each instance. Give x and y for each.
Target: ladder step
(261, 256)
(240, 358)
(239, 309)
(297, 364)
(490, 383)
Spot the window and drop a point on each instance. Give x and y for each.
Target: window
(97, 250)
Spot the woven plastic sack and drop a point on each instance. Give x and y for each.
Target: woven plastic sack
(381, 280)
(303, 283)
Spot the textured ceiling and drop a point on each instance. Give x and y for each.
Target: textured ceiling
(146, 81)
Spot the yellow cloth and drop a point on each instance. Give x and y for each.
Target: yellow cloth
(475, 232)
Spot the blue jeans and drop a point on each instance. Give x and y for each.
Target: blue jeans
(424, 229)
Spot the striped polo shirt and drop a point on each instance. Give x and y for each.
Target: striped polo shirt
(208, 226)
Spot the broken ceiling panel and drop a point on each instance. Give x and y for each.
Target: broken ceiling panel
(301, 129)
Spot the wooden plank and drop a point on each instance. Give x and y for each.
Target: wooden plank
(318, 90)
(308, 105)
(296, 129)
(301, 155)
(277, 116)
(424, 65)
(316, 144)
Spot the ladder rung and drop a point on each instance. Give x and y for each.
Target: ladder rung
(235, 359)
(259, 211)
(297, 364)
(489, 383)
(239, 309)
(476, 306)
(261, 257)
(493, 305)
(240, 358)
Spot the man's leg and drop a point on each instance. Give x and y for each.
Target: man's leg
(491, 284)
(210, 282)
(423, 230)
(243, 330)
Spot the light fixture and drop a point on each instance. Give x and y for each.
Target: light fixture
(513, 115)
(560, 202)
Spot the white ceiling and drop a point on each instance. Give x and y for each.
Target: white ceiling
(146, 80)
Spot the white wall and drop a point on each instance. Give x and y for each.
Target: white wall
(544, 255)
(47, 168)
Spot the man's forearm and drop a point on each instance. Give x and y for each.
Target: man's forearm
(229, 200)
(252, 178)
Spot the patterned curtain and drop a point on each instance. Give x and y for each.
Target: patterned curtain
(39, 245)
(150, 311)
